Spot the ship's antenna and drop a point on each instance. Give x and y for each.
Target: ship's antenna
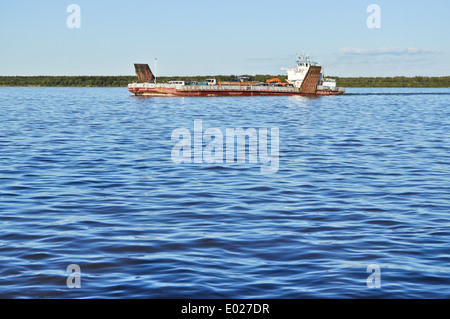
(155, 69)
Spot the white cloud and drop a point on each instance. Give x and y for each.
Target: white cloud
(387, 61)
(386, 51)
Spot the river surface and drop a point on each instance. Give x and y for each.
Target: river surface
(356, 204)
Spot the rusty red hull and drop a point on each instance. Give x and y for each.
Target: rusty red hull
(223, 92)
(327, 92)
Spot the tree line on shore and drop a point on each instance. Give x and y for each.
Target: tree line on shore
(398, 81)
(120, 81)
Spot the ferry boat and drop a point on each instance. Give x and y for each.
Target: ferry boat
(306, 79)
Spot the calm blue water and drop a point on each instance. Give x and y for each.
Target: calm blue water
(87, 178)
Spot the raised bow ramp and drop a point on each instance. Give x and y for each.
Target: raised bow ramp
(309, 84)
(144, 73)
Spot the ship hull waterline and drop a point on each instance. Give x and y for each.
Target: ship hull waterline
(184, 93)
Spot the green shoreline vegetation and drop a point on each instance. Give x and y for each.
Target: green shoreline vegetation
(123, 81)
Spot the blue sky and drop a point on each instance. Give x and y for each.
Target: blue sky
(224, 37)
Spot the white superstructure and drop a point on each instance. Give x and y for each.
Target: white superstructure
(297, 74)
(328, 83)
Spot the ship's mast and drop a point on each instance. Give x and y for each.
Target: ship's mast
(155, 69)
